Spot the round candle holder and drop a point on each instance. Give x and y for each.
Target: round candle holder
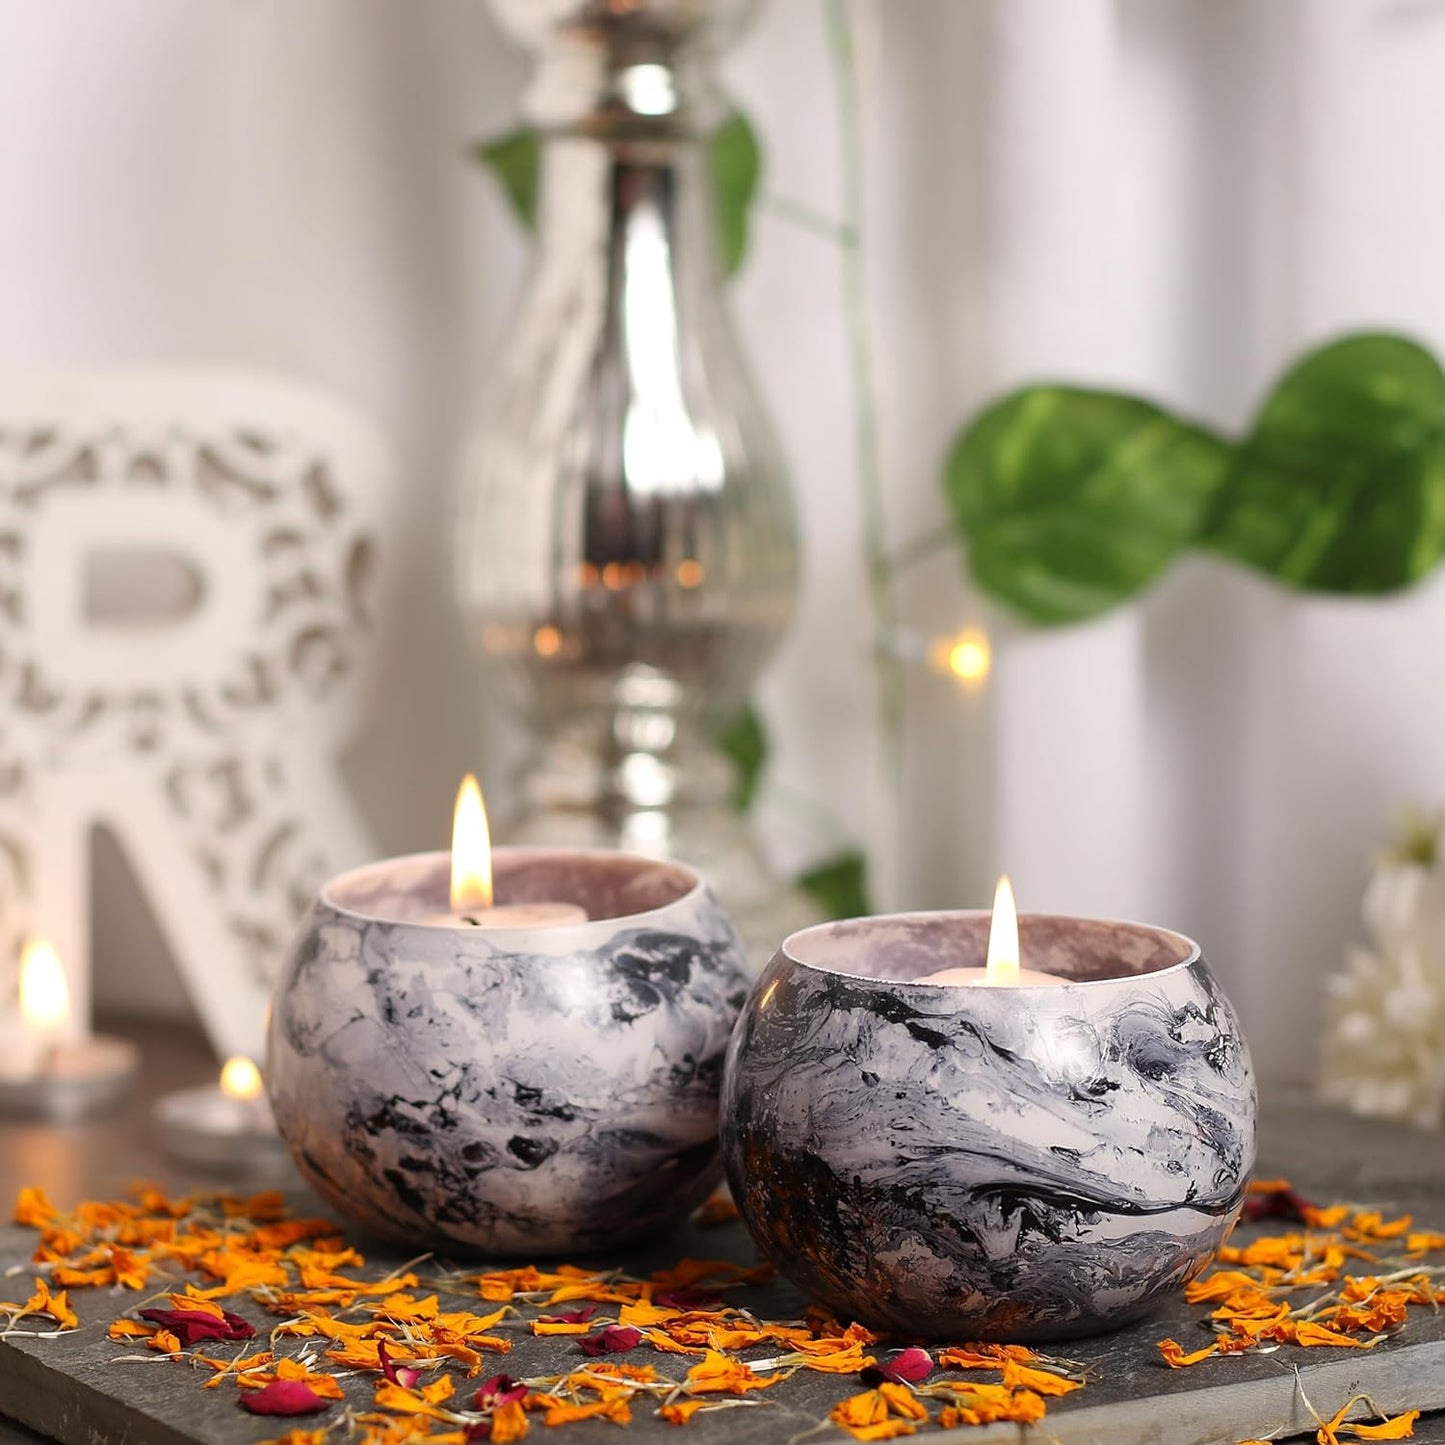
(71, 1081)
(210, 1133)
(529, 1090)
(988, 1163)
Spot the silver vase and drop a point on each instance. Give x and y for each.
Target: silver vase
(625, 544)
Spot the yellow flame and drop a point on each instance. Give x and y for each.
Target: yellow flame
(1002, 968)
(44, 994)
(964, 655)
(240, 1079)
(471, 850)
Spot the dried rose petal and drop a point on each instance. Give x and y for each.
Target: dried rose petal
(402, 1375)
(611, 1340)
(572, 1317)
(1286, 1204)
(499, 1390)
(906, 1367)
(285, 1397)
(687, 1299)
(188, 1326)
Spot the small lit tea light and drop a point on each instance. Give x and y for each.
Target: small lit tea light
(223, 1128)
(47, 1070)
(472, 904)
(1002, 967)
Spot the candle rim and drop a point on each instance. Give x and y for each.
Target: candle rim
(690, 883)
(1193, 953)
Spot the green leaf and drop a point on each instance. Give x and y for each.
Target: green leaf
(839, 885)
(515, 160)
(736, 164)
(1341, 485)
(745, 742)
(1072, 501)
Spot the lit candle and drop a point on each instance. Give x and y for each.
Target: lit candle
(46, 1071)
(472, 904)
(1001, 967)
(225, 1127)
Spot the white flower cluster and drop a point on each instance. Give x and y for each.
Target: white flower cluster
(1384, 1041)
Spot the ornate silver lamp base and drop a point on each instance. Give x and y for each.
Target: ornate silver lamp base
(567, 806)
(625, 549)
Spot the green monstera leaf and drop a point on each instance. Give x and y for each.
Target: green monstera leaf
(744, 741)
(839, 885)
(1072, 501)
(737, 164)
(1340, 486)
(515, 159)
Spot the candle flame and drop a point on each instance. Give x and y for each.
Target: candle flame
(471, 850)
(44, 994)
(1002, 968)
(240, 1079)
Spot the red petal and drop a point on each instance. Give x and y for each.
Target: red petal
(906, 1367)
(285, 1397)
(188, 1326)
(613, 1339)
(572, 1317)
(1286, 1204)
(687, 1299)
(499, 1390)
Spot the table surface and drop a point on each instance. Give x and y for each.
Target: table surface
(1334, 1156)
(96, 1159)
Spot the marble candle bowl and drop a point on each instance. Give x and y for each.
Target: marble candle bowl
(524, 1091)
(988, 1163)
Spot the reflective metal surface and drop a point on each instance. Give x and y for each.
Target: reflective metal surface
(625, 548)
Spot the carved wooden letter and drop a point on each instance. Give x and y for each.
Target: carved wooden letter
(190, 570)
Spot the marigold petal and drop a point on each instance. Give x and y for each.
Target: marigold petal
(1176, 1357)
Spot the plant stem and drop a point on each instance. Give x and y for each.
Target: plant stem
(851, 239)
(806, 218)
(921, 547)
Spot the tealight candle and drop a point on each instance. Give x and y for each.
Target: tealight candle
(535, 1072)
(46, 1070)
(988, 1163)
(472, 904)
(1001, 968)
(225, 1127)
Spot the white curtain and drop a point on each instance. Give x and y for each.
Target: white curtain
(1172, 195)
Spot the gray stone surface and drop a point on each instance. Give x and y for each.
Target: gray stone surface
(73, 1388)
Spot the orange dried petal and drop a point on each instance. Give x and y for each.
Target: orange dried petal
(34, 1209)
(1176, 1357)
(509, 1423)
(1401, 1427)
(718, 1374)
(1029, 1377)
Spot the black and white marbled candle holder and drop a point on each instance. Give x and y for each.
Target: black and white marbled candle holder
(988, 1163)
(532, 1090)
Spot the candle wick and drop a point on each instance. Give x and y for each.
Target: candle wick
(467, 918)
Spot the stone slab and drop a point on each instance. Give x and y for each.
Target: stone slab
(74, 1390)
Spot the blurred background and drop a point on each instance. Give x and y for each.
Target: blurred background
(1170, 196)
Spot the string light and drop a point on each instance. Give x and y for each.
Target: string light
(966, 655)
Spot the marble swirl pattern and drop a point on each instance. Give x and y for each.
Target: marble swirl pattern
(504, 1092)
(974, 1163)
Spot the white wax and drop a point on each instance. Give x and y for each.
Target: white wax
(511, 915)
(69, 1079)
(978, 978)
(22, 1052)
